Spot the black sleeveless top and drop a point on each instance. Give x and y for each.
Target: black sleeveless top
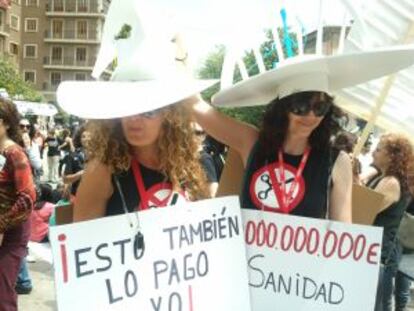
(157, 187)
(389, 219)
(309, 200)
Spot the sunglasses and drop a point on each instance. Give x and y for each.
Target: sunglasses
(25, 126)
(151, 114)
(199, 133)
(319, 108)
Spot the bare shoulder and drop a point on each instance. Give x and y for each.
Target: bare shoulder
(389, 183)
(94, 191)
(343, 163)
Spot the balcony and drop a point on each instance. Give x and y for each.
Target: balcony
(69, 63)
(72, 36)
(73, 9)
(5, 30)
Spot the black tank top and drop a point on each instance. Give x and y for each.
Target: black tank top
(389, 219)
(310, 200)
(158, 190)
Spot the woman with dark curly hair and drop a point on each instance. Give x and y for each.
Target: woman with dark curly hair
(292, 150)
(393, 156)
(155, 153)
(17, 196)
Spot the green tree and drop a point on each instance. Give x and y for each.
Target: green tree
(211, 69)
(14, 84)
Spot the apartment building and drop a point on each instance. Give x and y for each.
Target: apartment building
(52, 40)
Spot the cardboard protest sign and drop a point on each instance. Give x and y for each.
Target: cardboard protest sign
(366, 204)
(298, 263)
(193, 259)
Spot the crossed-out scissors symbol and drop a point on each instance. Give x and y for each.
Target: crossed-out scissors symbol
(264, 194)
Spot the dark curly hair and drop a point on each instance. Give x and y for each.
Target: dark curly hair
(401, 155)
(11, 118)
(275, 124)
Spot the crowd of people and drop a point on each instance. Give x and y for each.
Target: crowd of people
(152, 152)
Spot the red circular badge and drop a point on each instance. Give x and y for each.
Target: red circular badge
(162, 195)
(262, 193)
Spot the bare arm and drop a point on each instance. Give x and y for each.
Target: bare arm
(340, 208)
(71, 178)
(93, 193)
(390, 188)
(237, 135)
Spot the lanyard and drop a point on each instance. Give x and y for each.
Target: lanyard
(141, 187)
(285, 199)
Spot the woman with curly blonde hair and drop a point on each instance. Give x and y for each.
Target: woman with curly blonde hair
(393, 157)
(152, 156)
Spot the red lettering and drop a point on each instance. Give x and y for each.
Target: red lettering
(271, 235)
(261, 234)
(286, 246)
(342, 245)
(250, 234)
(299, 247)
(312, 236)
(64, 257)
(373, 252)
(359, 239)
(325, 243)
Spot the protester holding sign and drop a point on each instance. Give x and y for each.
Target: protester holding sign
(393, 156)
(17, 196)
(290, 166)
(143, 151)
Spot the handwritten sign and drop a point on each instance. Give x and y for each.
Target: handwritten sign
(298, 263)
(194, 259)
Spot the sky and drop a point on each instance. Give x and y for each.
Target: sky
(206, 23)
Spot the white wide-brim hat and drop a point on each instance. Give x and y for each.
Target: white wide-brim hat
(151, 69)
(316, 73)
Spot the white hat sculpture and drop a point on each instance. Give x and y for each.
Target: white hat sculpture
(151, 67)
(307, 72)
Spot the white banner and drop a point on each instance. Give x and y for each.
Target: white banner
(193, 260)
(305, 264)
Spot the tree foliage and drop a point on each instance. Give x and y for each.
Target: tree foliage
(14, 84)
(211, 69)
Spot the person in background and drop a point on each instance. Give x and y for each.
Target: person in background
(24, 283)
(31, 148)
(76, 161)
(345, 141)
(207, 160)
(17, 197)
(53, 155)
(66, 147)
(392, 157)
(41, 214)
(39, 139)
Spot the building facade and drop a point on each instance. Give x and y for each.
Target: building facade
(52, 40)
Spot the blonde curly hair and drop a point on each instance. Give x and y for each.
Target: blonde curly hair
(401, 155)
(177, 145)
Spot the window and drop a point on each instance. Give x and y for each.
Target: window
(80, 55)
(30, 51)
(58, 5)
(30, 76)
(57, 29)
(16, 1)
(14, 22)
(57, 54)
(14, 48)
(1, 18)
(80, 76)
(55, 78)
(32, 3)
(31, 24)
(82, 5)
(82, 29)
